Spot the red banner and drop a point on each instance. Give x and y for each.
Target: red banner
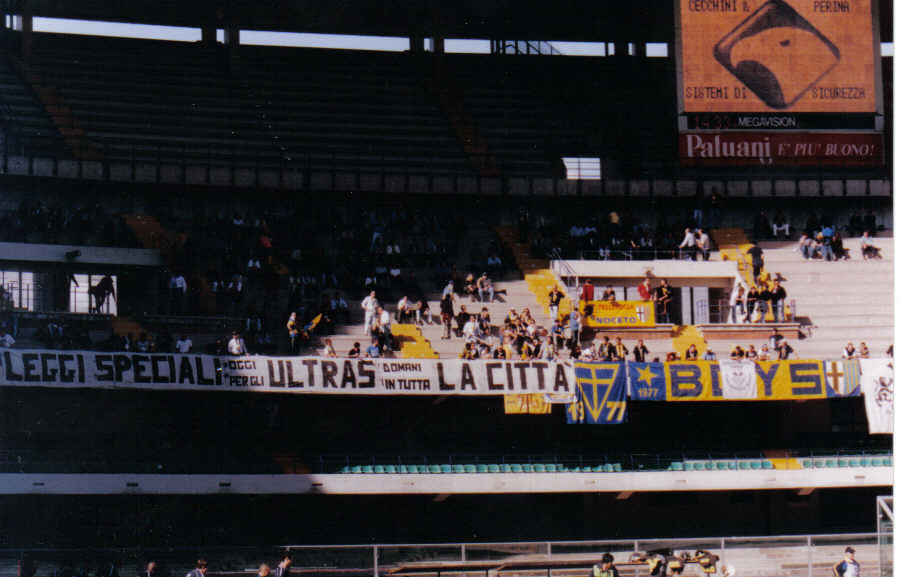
(781, 148)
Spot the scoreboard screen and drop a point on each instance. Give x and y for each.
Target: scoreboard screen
(809, 66)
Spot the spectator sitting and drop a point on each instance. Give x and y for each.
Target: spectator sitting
(328, 349)
(184, 344)
(863, 352)
(403, 310)
(354, 351)
(806, 247)
(751, 354)
(691, 354)
(780, 224)
(236, 346)
(737, 353)
(609, 294)
(709, 355)
(6, 339)
(868, 248)
(469, 288)
(373, 351)
(671, 357)
(849, 352)
(837, 247)
(485, 288)
(763, 353)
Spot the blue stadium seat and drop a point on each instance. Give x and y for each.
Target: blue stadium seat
(721, 465)
(888, 461)
(831, 463)
(551, 468)
(744, 465)
(875, 462)
(732, 465)
(446, 468)
(709, 465)
(608, 468)
(865, 462)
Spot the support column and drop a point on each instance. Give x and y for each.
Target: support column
(208, 33)
(233, 35)
(24, 23)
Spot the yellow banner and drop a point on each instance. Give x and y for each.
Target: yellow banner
(526, 404)
(774, 381)
(602, 314)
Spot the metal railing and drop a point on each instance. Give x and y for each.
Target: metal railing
(810, 555)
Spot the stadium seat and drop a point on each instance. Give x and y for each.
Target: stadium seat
(515, 468)
(744, 465)
(598, 468)
(390, 469)
(356, 469)
(843, 463)
(721, 465)
(819, 463)
(676, 466)
(617, 467)
(709, 465)
(459, 468)
(369, 469)
(889, 462)
(755, 465)
(875, 462)
(854, 463)
(865, 462)
(345, 469)
(551, 468)
(482, 468)
(539, 468)
(493, 468)
(608, 468)
(445, 468)
(732, 465)
(831, 463)
(435, 469)
(528, 468)
(505, 468)
(808, 464)
(471, 469)
(378, 469)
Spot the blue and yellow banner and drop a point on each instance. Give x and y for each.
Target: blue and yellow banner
(601, 394)
(603, 314)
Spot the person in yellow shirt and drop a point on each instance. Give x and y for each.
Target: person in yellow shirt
(606, 568)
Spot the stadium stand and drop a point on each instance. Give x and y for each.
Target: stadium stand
(221, 188)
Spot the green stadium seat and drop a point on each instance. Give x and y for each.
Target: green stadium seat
(459, 469)
(755, 465)
(445, 468)
(515, 468)
(617, 467)
(402, 469)
(721, 465)
(831, 463)
(597, 469)
(767, 464)
(539, 468)
(807, 464)
(744, 465)
(471, 469)
(865, 462)
(853, 463)
(368, 469)
(709, 465)
(551, 468)
(356, 469)
(378, 469)
(493, 468)
(843, 463)
(435, 469)
(608, 468)
(888, 461)
(676, 466)
(345, 469)
(732, 465)
(819, 463)
(876, 462)
(390, 469)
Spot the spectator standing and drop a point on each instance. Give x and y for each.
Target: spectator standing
(703, 244)
(640, 351)
(784, 351)
(756, 258)
(555, 297)
(688, 246)
(369, 304)
(738, 310)
(849, 351)
(609, 294)
(691, 354)
(608, 569)
(863, 352)
(587, 291)
(328, 349)
(663, 298)
(284, 567)
(848, 566)
(777, 297)
(574, 327)
(184, 344)
(709, 355)
(752, 300)
(293, 330)
(236, 346)
(644, 290)
(150, 570)
(383, 326)
(447, 313)
(199, 570)
(264, 571)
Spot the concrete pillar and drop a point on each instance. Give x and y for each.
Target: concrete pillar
(208, 33)
(24, 23)
(233, 35)
(416, 43)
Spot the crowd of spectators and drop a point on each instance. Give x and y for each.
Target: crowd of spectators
(58, 220)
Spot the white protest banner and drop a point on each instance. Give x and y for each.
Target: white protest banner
(738, 379)
(295, 375)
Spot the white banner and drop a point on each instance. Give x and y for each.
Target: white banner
(738, 379)
(297, 375)
(877, 381)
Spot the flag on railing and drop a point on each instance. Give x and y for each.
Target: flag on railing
(738, 379)
(648, 381)
(842, 378)
(601, 394)
(877, 377)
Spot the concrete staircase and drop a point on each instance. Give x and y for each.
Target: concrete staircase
(843, 301)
